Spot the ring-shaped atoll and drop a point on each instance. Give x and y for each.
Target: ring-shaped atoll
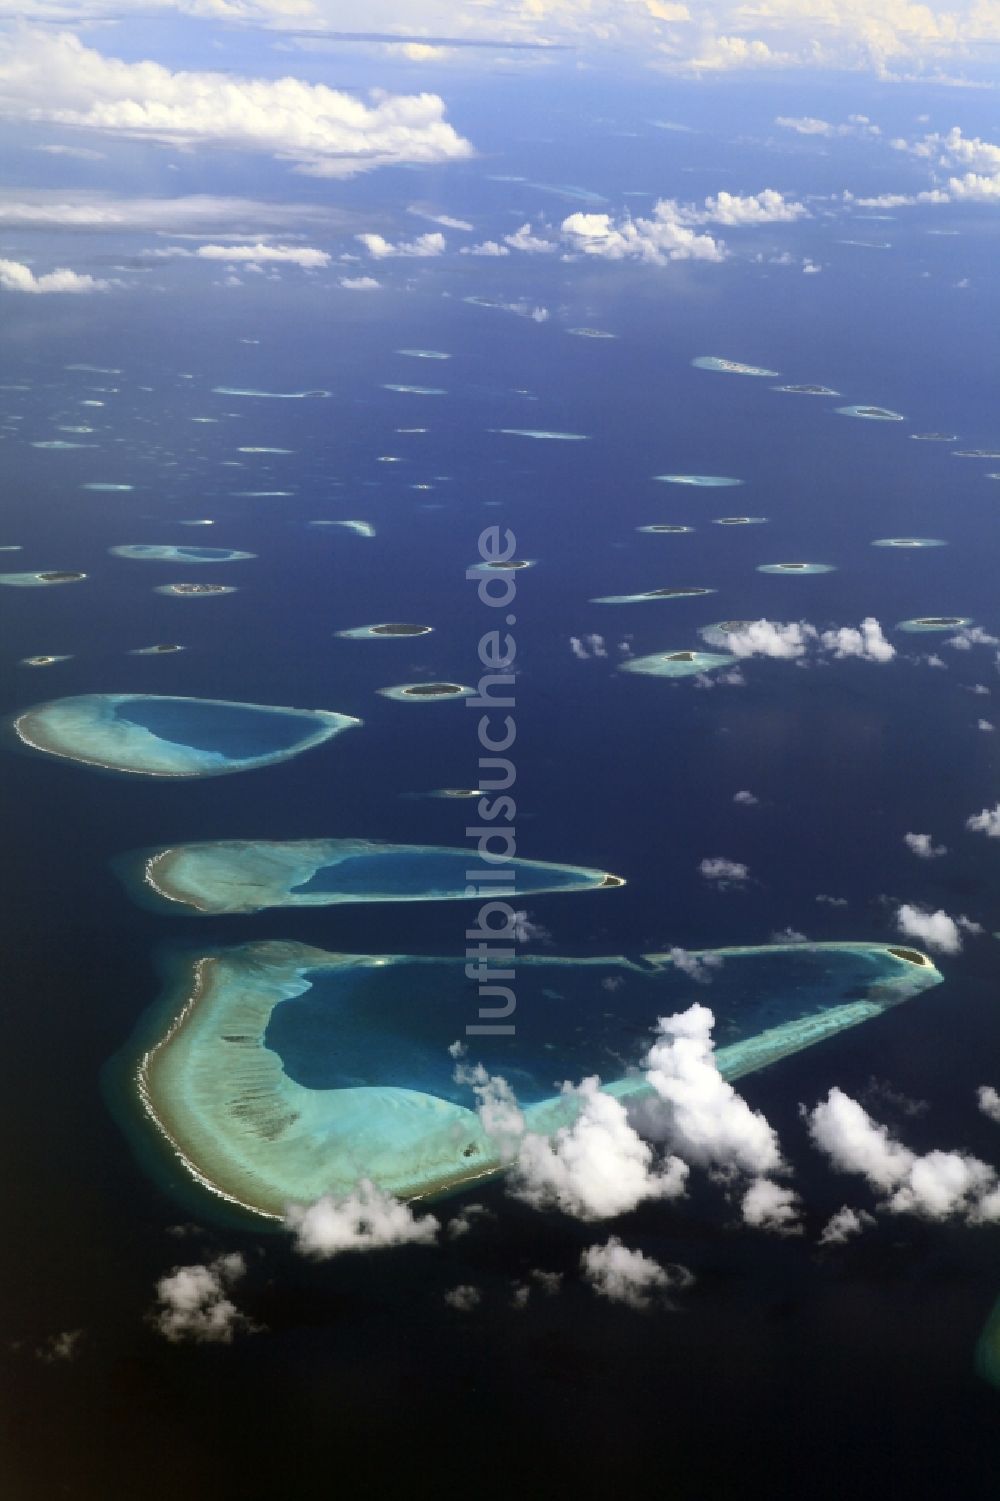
(248, 875)
(162, 736)
(275, 1073)
(154, 552)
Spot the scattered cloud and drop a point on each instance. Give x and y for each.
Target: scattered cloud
(629, 1277)
(772, 1207)
(924, 846)
(60, 1347)
(360, 284)
(808, 125)
(935, 929)
(79, 153)
(432, 243)
(523, 239)
(523, 930)
(697, 967)
(446, 221)
(661, 238)
(193, 1302)
(845, 1224)
(598, 1167)
(868, 643)
(583, 648)
(768, 638)
(16, 277)
(696, 1111)
(722, 872)
(486, 247)
(263, 254)
(464, 1297)
(365, 1219)
(937, 1185)
(745, 799)
(989, 1102)
(987, 822)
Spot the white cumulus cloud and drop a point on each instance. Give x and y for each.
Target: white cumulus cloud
(193, 1302)
(989, 1102)
(596, 1168)
(868, 643)
(847, 1222)
(16, 277)
(380, 249)
(935, 929)
(937, 1185)
(54, 76)
(723, 872)
(629, 1277)
(923, 845)
(363, 1220)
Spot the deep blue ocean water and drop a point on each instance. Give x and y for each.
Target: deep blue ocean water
(237, 733)
(628, 774)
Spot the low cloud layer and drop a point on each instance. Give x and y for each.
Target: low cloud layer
(54, 76)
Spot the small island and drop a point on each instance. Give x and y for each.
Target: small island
(732, 367)
(188, 589)
(702, 481)
(909, 542)
(415, 693)
(390, 628)
(678, 664)
(678, 592)
(935, 623)
(795, 568)
(38, 580)
(872, 414)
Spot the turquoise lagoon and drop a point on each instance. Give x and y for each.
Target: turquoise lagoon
(160, 736)
(282, 1072)
(247, 875)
